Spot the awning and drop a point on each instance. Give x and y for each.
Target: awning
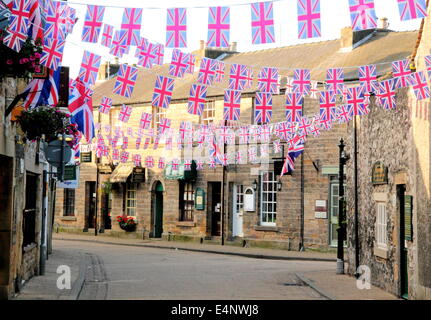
(180, 173)
(121, 172)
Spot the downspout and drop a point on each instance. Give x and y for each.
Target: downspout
(356, 197)
(301, 246)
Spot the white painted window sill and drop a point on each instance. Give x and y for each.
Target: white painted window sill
(381, 252)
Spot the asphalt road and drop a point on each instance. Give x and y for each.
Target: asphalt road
(124, 272)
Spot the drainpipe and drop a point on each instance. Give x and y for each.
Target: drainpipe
(301, 245)
(223, 194)
(44, 232)
(356, 198)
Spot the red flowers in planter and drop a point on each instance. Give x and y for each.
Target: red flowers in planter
(126, 223)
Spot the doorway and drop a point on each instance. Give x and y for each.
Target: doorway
(404, 280)
(106, 210)
(90, 203)
(238, 210)
(214, 207)
(334, 191)
(157, 216)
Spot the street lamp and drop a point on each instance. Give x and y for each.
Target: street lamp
(279, 185)
(254, 185)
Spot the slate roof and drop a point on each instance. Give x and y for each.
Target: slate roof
(318, 56)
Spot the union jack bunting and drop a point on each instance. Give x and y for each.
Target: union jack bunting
(164, 125)
(262, 23)
(219, 71)
(185, 131)
(117, 49)
(125, 143)
(301, 81)
(179, 63)
(255, 133)
(191, 63)
(131, 26)
(197, 99)
(328, 109)
(294, 102)
(267, 80)
(315, 126)
(252, 153)
(265, 132)
(20, 16)
(343, 114)
(428, 65)
(161, 163)
(355, 101)
(277, 146)
(401, 73)
(163, 92)
(137, 160)
(335, 80)
(115, 154)
(176, 28)
(289, 85)
(304, 127)
(52, 53)
(295, 150)
(420, 85)
(105, 105)
(263, 107)
(362, 14)
(314, 91)
(249, 78)
(149, 162)
(138, 143)
(55, 23)
(207, 71)
(238, 77)
(309, 19)
(218, 27)
(93, 23)
(368, 78)
(70, 18)
(199, 164)
(107, 34)
(145, 121)
(160, 53)
(146, 53)
(283, 130)
(125, 113)
(412, 9)
(244, 135)
(124, 157)
(238, 157)
(232, 105)
(89, 68)
(14, 40)
(126, 80)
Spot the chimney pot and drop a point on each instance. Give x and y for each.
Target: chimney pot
(233, 46)
(383, 23)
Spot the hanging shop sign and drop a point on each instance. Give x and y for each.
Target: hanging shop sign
(200, 199)
(379, 173)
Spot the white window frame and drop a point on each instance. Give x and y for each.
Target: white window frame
(265, 203)
(381, 234)
(208, 108)
(131, 187)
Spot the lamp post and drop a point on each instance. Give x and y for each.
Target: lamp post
(341, 214)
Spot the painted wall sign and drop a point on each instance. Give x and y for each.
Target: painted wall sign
(320, 209)
(379, 173)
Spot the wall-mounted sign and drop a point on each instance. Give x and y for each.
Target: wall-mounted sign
(249, 203)
(320, 209)
(86, 157)
(408, 225)
(138, 175)
(69, 173)
(379, 173)
(200, 199)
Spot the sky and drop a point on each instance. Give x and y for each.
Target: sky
(334, 16)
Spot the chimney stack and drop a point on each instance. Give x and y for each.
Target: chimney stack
(233, 46)
(383, 23)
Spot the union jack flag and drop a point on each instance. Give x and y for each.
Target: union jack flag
(105, 105)
(362, 14)
(401, 73)
(164, 125)
(218, 27)
(179, 63)
(81, 108)
(146, 143)
(145, 120)
(283, 130)
(368, 78)
(277, 146)
(420, 85)
(249, 78)
(304, 127)
(191, 64)
(197, 99)
(315, 127)
(412, 9)
(125, 143)
(265, 133)
(146, 53)
(296, 148)
(70, 18)
(115, 154)
(126, 80)
(252, 154)
(355, 101)
(14, 40)
(343, 114)
(125, 113)
(289, 85)
(149, 162)
(232, 105)
(52, 53)
(161, 163)
(93, 23)
(20, 16)
(244, 135)
(335, 80)
(238, 158)
(263, 107)
(131, 26)
(328, 109)
(207, 71)
(117, 49)
(138, 143)
(107, 34)
(294, 102)
(268, 80)
(428, 65)
(301, 81)
(176, 28)
(314, 92)
(219, 71)
(309, 19)
(89, 68)
(262, 23)
(55, 24)
(163, 92)
(124, 157)
(185, 131)
(160, 53)
(137, 160)
(238, 77)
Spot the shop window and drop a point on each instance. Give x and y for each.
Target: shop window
(186, 201)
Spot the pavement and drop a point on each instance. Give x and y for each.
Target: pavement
(112, 268)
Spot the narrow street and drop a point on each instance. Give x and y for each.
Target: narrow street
(125, 272)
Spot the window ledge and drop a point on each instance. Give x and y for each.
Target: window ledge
(68, 218)
(381, 252)
(266, 228)
(190, 224)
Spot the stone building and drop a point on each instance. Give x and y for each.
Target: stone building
(20, 199)
(390, 212)
(294, 212)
